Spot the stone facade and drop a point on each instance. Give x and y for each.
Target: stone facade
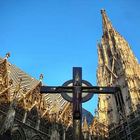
(25, 114)
(117, 66)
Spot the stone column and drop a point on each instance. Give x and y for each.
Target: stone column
(25, 116)
(38, 124)
(64, 133)
(86, 135)
(38, 121)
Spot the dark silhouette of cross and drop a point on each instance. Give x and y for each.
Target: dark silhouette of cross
(77, 89)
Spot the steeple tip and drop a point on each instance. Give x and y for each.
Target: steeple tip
(85, 124)
(107, 26)
(102, 10)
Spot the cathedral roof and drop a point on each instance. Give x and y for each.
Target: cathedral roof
(27, 84)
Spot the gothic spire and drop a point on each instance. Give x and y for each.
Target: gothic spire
(85, 125)
(119, 67)
(107, 26)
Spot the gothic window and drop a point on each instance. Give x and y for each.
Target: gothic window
(109, 51)
(106, 35)
(113, 42)
(18, 134)
(32, 117)
(119, 100)
(19, 112)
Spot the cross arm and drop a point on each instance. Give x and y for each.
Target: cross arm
(99, 90)
(56, 89)
(69, 89)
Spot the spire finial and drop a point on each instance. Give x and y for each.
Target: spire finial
(85, 125)
(107, 26)
(41, 77)
(7, 55)
(102, 10)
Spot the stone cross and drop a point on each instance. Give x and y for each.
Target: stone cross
(77, 91)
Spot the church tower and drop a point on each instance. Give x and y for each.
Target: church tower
(117, 66)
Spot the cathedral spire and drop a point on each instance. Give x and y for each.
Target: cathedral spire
(85, 125)
(117, 65)
(107, 26)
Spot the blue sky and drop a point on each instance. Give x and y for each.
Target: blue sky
(52, 36)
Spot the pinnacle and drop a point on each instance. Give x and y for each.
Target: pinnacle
(106, 22)
(102, 10)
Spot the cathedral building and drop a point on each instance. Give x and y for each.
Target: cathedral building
(118, 66)
(26, 114)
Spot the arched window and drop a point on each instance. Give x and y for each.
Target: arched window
(18, 133)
